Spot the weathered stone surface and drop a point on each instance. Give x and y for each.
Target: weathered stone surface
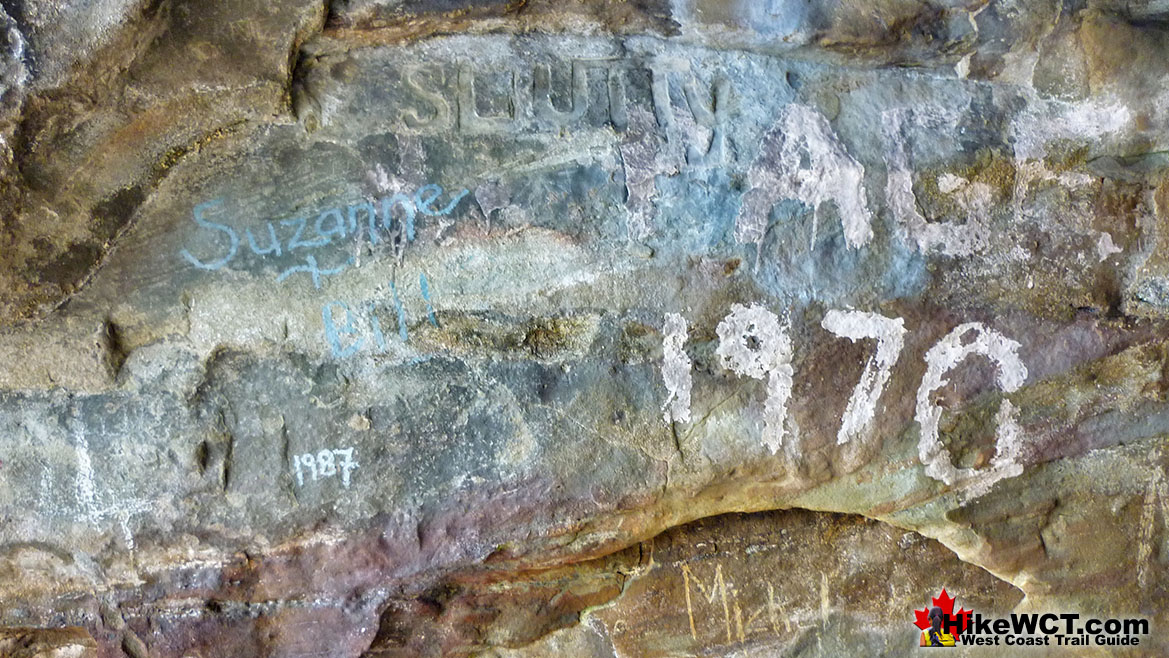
(50, 643)
(404, 328)
(724, 586)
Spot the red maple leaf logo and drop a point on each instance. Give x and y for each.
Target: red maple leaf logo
(946, 603)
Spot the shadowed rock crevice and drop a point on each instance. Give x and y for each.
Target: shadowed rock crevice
(67, 208)
(434, 327)
(717, 586)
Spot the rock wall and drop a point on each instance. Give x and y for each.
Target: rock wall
(508, 328)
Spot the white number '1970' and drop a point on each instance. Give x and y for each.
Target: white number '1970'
(753, 342)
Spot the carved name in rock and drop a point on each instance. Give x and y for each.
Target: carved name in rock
(451, 98)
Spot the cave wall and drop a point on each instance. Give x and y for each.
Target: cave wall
(428, 327)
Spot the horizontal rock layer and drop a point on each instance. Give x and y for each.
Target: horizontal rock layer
(408, 328)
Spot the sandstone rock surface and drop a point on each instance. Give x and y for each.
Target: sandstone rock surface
(586, 328)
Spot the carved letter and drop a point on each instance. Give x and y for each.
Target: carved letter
(713, 118)
(440, 114)
(950, 238)
(407, 222)
(542, 94)
(370, 216)
(617, 112)
(660, 70)
(469, 119)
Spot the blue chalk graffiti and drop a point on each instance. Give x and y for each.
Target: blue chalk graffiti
(423, 284)
(273, 242)
(401, 315)
(313, 269)
(338, 228)
(231, 235)
(334, 332)
(433, 192)
(376, 325)
(398, 214)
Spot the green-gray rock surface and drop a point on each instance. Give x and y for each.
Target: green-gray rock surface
(428, 327)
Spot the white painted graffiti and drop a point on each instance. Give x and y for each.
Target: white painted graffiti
(325, 464)
(802, 159)
(966, 340)
(753, 342)
(676, 369)
(890, 336)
